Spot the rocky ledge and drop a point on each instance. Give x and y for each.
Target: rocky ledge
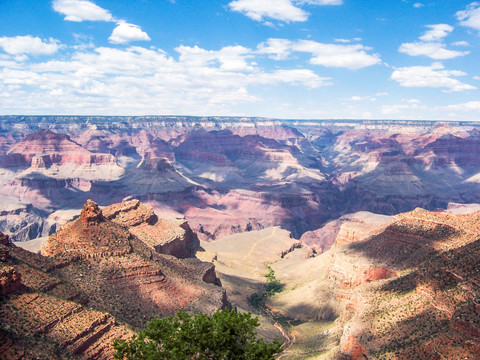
(164, 236)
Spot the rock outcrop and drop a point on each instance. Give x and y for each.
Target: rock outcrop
(96, 282)
(4, 253)
(123, 273)
(4, 239)
(163, 236)
(45, 148)
(10, 280)
(91, 235)
(420, 296)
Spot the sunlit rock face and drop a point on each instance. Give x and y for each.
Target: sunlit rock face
(164, 236)
(230, 175)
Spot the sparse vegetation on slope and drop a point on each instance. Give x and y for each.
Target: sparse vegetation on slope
(272, 287)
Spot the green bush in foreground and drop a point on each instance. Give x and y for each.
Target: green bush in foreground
(223, 335)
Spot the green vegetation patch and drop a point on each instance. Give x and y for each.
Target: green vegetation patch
(272, 286)
(223, 335)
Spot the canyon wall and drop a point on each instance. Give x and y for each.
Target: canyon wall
(229, 175)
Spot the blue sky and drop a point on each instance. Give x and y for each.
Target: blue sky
(302, 59)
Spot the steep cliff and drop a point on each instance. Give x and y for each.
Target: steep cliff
(164, 236)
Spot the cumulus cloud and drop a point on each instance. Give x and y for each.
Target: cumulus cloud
(468, 106)
(81, 10)
(434, 76)
(320, 2)
(84, 10)
(436, 32)
(20, 45)
(137, 80)
(277, 49)
(471, 16)
(329, 55)
(418, 5)
(125, 33)
(431, 44)
(335, 55)
(433, 50)
(282, 10)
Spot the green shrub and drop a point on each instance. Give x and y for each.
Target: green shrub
(223, 335)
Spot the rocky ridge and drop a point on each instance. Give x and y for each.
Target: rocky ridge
(404, 289)
(411, 290)
(297, 175)
(96, 282)
(164, 236)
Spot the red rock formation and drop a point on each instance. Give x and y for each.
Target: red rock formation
(4, 239)
(44, 148)
(4, 253)
(352, 350)
(10, 280)
(99, 263)
(165, 237)
(91, 235)
(429, 309)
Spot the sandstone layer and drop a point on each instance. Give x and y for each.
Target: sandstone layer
(96, 282)
(233, 175)
(164, 236)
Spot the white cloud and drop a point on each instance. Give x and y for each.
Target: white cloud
(407, 104)
(329, 55)
(418, 5)
(303, 77)
(363, 98)
(125, 33)
(413, 101)
(434, 76)
(278, 49)
(320, 2)
(137, 80)
(434, 50)
(468, 106)
(335, 55)
(19, 45)
(471, 16)
(436, 32)
(460, 43)
(84, 10)
(282, 10)
(393, 109)
(431, 44)
(81, 10)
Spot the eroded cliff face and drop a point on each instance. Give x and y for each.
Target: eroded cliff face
(164, 236)
(45, 317)
(401, 289)
(297, 175)
(95, 282)
(419, 296)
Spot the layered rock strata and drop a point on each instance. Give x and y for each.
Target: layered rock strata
(97, 282)
(163, 236)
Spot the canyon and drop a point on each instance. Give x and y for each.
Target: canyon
(231, 175)
(371, 228)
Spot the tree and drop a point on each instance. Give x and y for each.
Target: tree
(223, 335)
